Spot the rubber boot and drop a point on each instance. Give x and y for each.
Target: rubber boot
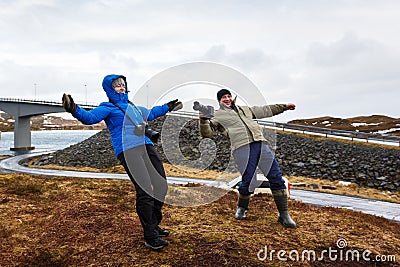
(243, 206)
(281, 201)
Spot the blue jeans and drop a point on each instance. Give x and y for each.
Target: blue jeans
(254, 155)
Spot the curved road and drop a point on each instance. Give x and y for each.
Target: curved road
(384, 209)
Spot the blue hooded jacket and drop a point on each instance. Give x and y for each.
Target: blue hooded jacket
(121, 129)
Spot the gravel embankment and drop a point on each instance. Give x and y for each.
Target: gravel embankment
(300, 156)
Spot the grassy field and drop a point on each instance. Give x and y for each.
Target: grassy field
(88, 222)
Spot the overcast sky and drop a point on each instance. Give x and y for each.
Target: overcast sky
(337, 58)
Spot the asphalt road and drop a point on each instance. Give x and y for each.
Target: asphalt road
(384, 209)
(388, 210)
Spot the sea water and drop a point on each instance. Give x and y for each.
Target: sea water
(45, 140)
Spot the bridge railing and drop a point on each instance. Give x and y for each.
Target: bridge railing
(46, 102)
(332, 132)
(352, 135)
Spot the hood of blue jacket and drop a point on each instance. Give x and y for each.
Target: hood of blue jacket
(111, 93)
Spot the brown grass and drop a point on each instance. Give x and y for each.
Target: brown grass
(88, 222)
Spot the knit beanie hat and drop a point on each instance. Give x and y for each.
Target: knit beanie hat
(222, 92)
(117, 82)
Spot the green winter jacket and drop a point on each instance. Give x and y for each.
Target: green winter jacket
(238, 123)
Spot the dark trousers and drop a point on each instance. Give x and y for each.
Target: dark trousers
(254, 155)
(144, 167)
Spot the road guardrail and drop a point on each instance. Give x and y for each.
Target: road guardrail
(351, 135)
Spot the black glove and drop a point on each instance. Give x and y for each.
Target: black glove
(68, 103)
(174, 105)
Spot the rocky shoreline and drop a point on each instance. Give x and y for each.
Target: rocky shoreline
(373, 167)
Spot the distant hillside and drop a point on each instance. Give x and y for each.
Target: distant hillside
(369, 124)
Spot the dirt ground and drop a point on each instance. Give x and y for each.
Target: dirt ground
(91, 222)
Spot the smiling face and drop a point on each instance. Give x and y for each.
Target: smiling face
(226, 100)
(120, 88)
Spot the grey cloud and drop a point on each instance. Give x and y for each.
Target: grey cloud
(354, 60)
(248, 59)
(293, 50)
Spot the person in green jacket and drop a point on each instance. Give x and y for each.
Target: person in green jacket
(249, 150)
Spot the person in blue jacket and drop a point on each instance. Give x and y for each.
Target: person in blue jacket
(134, 149)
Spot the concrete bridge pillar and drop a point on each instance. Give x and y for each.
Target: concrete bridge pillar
(23, 110)
(22, 134)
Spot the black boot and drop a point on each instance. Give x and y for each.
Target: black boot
(243, 206)
(162, 232)
(156, 243)
(281, 201)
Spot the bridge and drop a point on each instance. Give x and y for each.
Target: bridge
(23, 110)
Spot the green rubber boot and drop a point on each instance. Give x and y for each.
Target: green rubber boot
(243, 206)
(281, 201)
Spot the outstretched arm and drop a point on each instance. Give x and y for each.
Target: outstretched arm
(290, 106)
(209, 126)
(86, 117)
(261, 112)
(206, 131)
(93, 116)
(159, 111)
